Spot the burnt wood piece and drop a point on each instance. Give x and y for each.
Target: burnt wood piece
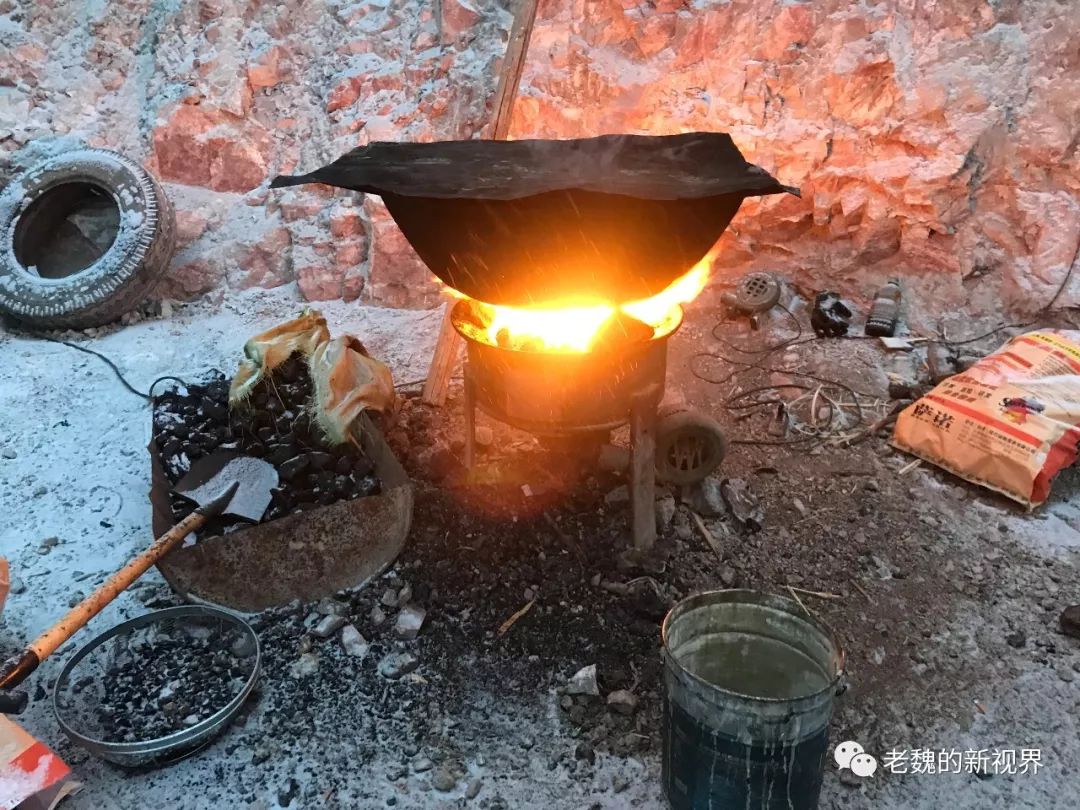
(617, 217)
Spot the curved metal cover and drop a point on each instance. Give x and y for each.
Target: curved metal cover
(613, 218)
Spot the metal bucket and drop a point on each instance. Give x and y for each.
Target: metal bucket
(749, 686)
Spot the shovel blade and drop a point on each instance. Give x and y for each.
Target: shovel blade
(211, 476)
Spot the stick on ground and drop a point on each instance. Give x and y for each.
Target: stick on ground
(710, 538)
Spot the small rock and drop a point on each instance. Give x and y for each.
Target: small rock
(1066, 674)
(353, 642)
(584, 751)
(389, 598)
(443, 781)
(306, 665)
(583, 682)
(485, 436)
(17, 586)
(332, 607)
(665, 512)
(1070, 621)
(706, 498)
(800, 507)
(472, 790)
(622, 701)
(328, 625)
(872, 486)
(40, 490)
(48, 544)
(395, 665)
(619, 783)
(404, 596)
(243, 646)
(1016, 639)
(377, 616)
(621, 494)
(7, 452)
(743, 503)
(728, 576)
(422, 764)
(287, 794)
(409, 622)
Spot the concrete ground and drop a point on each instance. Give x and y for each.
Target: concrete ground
(948, 606)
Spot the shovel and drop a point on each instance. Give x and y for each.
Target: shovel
(225, 483)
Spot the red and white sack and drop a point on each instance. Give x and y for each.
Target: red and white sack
(31, 776)
(1010, 423)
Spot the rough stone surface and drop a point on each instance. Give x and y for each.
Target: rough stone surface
(934, 141)
(217, 97)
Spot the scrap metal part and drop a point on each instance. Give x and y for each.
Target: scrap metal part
(307, 555)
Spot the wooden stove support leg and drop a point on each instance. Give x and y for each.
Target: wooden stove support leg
(643, 472)
(470, 420)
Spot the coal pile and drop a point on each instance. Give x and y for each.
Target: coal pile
(276, 424)
(161, 679)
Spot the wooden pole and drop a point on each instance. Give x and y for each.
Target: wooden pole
(512, 66)
(443, 361)
(448, 346)
(643, 472)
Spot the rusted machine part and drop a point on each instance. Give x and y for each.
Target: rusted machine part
(689, 446)
(305, 556)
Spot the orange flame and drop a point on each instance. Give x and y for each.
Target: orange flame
(572, 326)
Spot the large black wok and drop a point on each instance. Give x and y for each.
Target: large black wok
(617, 217)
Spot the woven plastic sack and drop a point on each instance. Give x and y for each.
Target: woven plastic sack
(1010, 423)
(347, 380)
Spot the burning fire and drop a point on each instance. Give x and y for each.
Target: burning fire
(573, 326)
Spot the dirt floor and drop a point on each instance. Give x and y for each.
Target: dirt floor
(945, 597)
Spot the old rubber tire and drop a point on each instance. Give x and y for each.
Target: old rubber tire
(39, 213)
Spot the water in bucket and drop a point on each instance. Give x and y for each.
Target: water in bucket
(750, 681)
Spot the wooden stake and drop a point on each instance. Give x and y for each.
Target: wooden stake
(512, 65)
(443, 361)
(449, 344)
(710, 538)
(643, 473)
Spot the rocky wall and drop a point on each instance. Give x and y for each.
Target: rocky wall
(218, 96)
(933, 139)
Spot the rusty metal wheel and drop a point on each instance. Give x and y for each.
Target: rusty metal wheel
(689, 446)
